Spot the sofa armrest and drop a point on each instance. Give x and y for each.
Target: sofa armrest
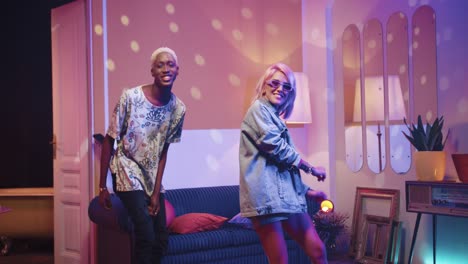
(115, 218)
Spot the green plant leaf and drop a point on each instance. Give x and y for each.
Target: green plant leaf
(427, 137)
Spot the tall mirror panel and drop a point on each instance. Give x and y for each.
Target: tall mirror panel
(374, 95)
(398, 91)
(352, 97)
(424, 64)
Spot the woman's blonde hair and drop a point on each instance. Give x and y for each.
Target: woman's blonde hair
(287, 107)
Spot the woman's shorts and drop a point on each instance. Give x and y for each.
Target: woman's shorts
(271, 218)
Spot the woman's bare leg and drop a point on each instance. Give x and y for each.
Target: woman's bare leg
(273, 243)
(302, 230)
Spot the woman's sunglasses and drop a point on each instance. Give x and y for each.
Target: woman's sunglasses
(275, 84)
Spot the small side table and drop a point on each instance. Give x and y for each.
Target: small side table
(5, 242)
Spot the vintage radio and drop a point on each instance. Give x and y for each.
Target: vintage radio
(444, 198)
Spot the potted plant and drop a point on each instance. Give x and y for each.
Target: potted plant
(429, 142)
(330, 227)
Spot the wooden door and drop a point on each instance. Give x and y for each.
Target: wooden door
(71, 132)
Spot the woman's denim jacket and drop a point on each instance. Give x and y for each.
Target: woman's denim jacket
(269, 182)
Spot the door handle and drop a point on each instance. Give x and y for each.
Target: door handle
(54, 146)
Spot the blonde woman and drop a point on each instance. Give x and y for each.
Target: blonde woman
(272, 193)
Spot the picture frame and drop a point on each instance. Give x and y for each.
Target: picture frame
(395, 243)
(374, 240)
(372, 201)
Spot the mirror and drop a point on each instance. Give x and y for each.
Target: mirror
(374, 95)
(352, 97)
(398, 91)
(424, 64)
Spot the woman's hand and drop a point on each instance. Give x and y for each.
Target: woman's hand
(315, 194)
(318, 172)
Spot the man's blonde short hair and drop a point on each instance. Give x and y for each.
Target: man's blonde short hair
(161, 50)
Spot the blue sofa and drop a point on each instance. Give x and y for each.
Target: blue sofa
(228, 244)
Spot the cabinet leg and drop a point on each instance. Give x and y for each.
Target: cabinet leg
(415, 234)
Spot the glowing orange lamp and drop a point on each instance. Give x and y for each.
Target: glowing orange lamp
(326, 206)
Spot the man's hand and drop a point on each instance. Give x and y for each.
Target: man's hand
(104, 199)
(154, 206)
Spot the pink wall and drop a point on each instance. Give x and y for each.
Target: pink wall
(222, 46)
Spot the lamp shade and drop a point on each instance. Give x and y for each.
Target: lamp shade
(374, 92)
(301, 113)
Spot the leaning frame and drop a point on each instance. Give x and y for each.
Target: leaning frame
(362, 193)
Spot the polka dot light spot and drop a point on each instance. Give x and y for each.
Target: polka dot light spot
(237, 35)
(110, 65)
(402, 69)
(462, 106)
(173, 27)
(195, 93)
(389, 38)
(124, 20)
(417, 31)
(216, 136)
(415, 45)
(216, 24)
(444, 83)
(234, 80)
(406, 96)
(98, 30)
(412, 2)
(315, 34)
(429, 116)
(372, 44)
(423, 79)
(398, 151)
(246, 13)
(170, 9)
(212, 162)
(199, 60)
(134, 46)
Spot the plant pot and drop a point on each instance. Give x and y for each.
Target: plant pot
(430, 165)
(461, 165)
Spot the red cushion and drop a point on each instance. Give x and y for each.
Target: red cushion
(170, 212)
(196, 222)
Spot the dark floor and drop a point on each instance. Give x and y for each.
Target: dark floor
(26, 251)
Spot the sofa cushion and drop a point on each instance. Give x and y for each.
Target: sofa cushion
(170, 212)
(196, 222)
(241, 221)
